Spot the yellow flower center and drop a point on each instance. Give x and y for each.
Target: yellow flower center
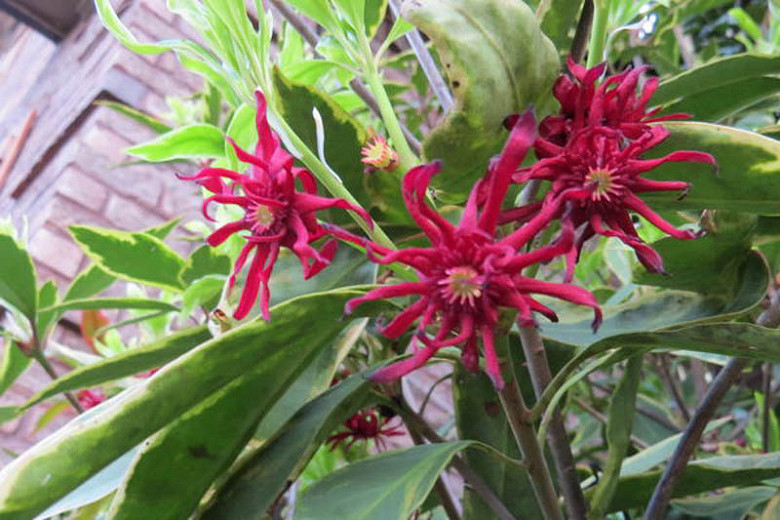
(264, 216)
(462, 285)
(603, 182)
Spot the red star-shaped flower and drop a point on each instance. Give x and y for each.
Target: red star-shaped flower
(276, 213)
(614, 104)
(364, 425)
(596, 179)
(468, 273)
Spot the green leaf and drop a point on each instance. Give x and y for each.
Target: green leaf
(203, 292)
(128, 363)
(18, 286)
(14, 364)
(498, 62)
(242, 130)
(199, 446)
(387, 486)
(723, 101)
(720, 256)
(137, 257)
(699, 476)
(263, 475)
(715, 73)
(89, 282)
(163, 230)
(558, 20)
(197, 141)
(733, 504)
(112, 303)
(344, 137)
(75, 453)
(205, 261)
(136, 115)
(47, 296)
(661, 451)
(659, 310)
(746, 179)
(621, 418)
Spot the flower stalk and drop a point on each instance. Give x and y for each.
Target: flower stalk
(598, 33)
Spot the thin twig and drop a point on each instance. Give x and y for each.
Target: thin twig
(435, 79)
(470, 477)
(538, 472)
(600, 417)
(671, 386)
(362, 92)
(580, 41)
(767, 408)
(539, 370)
(41, 359)
(659, 502)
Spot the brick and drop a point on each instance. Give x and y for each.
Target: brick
(155, 104)
(126, 128)
(67, 212)
(128, 215)
(159, 8)
(57, 252)
(139, 183)
(104, 142)
(78, 187)
(125, 87)
(156, 78)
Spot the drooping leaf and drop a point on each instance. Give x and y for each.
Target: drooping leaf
(112, 303)
(659, 310)
(699, 476)
(18, 286)
(74, 454)
(263, 474)
(47, 296)
(384, 487)
(196, 141)
(558, 22)
(746, 178)
(126, 364)
(138, 257)
(498, 62)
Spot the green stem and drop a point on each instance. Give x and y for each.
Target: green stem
(38, 356)
(517, 414)
(598, 33)
(407, 158)
(333, 185)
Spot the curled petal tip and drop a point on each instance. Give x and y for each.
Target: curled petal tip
(598, 318)
(497, 380)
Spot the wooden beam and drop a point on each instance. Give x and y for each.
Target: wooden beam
(54, 18)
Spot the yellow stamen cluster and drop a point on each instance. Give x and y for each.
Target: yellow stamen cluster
(379, 154)
(462, 285)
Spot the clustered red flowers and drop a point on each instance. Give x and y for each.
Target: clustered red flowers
(276, 213)
(591, 153)
(364, 425)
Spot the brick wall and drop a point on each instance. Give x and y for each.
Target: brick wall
(67, 171)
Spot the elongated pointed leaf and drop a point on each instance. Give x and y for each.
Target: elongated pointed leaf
(136, 115)
(17, 277)
(204, 261)
(128, 363)
(746, 178)
(498, 62)
(198, 141)
(14, 363)
(137, 257)
(91, 281)
(735, 503)
(264, 474)
(664, 309)
(112, 303)
(699, 476)
(172, 472)
(619, 425)
(714, 74)
(75, 453)
(385, 487)
(718, 103)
